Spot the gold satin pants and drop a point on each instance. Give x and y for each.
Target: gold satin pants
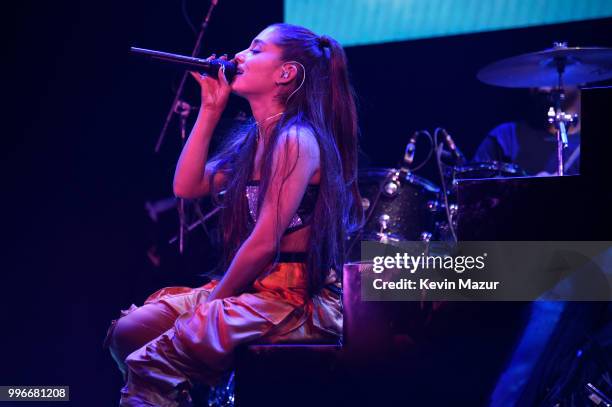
(177, 337)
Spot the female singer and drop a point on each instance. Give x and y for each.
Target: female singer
(288, 191)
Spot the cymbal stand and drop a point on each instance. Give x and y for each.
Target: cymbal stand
(556, 115)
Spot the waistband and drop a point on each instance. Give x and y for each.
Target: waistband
(300, 257)
(292, 257)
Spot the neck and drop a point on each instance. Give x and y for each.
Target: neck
(264, 109)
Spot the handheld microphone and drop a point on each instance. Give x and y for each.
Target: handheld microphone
(196, 64)
(450, 143)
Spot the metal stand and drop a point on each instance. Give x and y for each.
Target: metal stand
(556, 115)
(179, 90)
(182, 108)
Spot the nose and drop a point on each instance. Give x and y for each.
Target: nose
(239, 57)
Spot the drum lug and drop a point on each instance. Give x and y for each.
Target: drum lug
(433, 205)
(390, 188)
(426, 236)
(383, 221)
(365, 204)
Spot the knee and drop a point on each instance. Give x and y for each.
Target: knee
(137, 328)
(125, 338)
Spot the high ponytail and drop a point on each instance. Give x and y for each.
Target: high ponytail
(345, 127)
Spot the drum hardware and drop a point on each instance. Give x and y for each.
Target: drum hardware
(201, 221)
(391, 188)
(597, 396)
(365, 204)
(156, 208)
(383, 235)
(426, 236)
(443, 231)
(410, 150)
(557, 67)
(406, 166)
(455, 153)
(436, 206)
(433, 206)
(564, 119)
(383, 221)
(561, 121)
(439, 148)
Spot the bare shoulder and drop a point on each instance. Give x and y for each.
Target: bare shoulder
(302, 139)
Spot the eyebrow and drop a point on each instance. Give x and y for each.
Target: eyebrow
(257, 41)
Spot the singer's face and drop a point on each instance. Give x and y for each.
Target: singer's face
(259, 66)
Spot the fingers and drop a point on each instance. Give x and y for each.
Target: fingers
(221, 73)
(205, 79)
(199, 77)
(221, 76)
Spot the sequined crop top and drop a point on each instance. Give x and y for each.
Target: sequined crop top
(303, 215)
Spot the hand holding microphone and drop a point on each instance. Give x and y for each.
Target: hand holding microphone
(215, 92)
(214, 82)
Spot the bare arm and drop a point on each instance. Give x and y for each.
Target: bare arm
(192, 175)
(295, 160)
(191, 178)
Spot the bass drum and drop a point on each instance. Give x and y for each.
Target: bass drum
(397, 207)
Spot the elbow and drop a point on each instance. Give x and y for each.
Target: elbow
(182, 191)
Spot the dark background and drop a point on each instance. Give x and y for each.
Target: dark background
(81, 118)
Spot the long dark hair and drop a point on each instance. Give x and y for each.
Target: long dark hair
(325, 105)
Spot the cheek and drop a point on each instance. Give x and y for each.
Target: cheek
(253, 81)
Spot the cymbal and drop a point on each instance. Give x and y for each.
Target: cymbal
(579, 65)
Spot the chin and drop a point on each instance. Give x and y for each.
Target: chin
(239, 88)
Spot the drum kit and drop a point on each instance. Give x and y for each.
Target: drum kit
(401, 206)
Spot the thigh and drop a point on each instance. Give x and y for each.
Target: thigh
(181, 299)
